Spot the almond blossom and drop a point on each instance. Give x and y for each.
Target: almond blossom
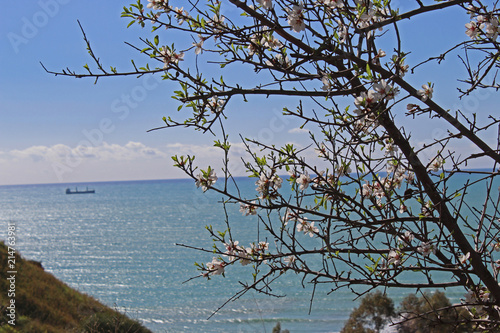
(332, 4)
(394, 258)
(427, 209)
(296, 18)
(180, 15)
(426, 92)
(426, 249)
(367, 98)
(366, 190)
(268, 186)
(170, 57)
(248, 209)
(290, 260)
(436, 164)
(342, 32)
(216, 105)
(390, 149)
(489, 27)
(232, 250)
(279, 61)
(407, 238)
(290, 215)
(303, 181)
(158, 4)
(472, 30)
(266, 4)
(307, 227)
(269, 41)
(253, 46)
(215, 267)
(385, 90)
(464, 258)
(199, 45)
(206, 179)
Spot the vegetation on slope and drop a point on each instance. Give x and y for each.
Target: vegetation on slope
(45, 304)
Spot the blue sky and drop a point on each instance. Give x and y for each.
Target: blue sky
(43, 118)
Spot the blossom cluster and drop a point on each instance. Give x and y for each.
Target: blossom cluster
(268, 186)
(368, 100)
(236, 252)
(248, 209)
(303, 225)
(382, 186)
(296, 18)
(170, 57)
(485, 25)
(206, 179)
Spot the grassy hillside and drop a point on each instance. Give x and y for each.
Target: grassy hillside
(45, 304)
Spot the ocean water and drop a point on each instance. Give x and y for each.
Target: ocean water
(118, 245)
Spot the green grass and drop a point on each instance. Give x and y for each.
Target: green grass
(45, 304)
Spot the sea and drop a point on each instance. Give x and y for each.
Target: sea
(129, 246)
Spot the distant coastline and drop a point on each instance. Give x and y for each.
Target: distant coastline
(146, 181)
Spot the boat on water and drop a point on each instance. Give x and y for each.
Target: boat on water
(76, 191)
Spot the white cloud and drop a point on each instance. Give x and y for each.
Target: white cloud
(298, 130)
(107, 162)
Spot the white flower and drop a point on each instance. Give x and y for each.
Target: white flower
(269, 41)
(248, 209)
(394, 258)
(279, 61)
(180, 15)
(263, 246)
(290, 215)
(332, 4)
(290, 260)
(232, 250)
(245, 256)
(426, 249)
(464, 258)
(436, 164)
(343, 170)
(342, 32)
(407, 238)
(385, 90)
(268, 186)
(266, 4)
(199, 45)
(296, 18)
(427, 209)
(366, 99)
(216, 105)
(170, 57)
(303, 181)
(306, 227)
(206, 180)
(390, 149)
(216, 267)
(402, 208)
(472, 30)
(159, 4)
(490, 28)
(327, 85)
(367, 190)
(425, 93)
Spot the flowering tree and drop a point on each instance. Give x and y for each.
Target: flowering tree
(373, 200)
